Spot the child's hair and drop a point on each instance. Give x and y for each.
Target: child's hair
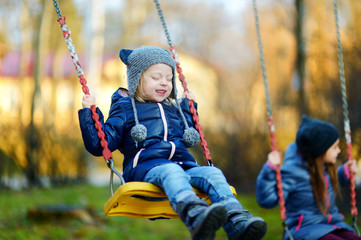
(139, 93)
(317, 169)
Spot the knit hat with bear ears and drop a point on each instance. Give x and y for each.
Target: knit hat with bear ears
(137, 61)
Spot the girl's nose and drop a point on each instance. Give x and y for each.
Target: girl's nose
(163, 82)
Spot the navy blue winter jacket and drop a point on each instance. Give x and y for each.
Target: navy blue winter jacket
(163, 145)
(304, 219)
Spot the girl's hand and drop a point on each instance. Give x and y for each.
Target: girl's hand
(88, 101)
(189, 95)
(274, 158)
(352, 165)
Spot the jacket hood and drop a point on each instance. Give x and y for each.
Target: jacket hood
(119, 94)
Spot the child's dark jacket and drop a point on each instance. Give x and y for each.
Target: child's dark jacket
(163, 145)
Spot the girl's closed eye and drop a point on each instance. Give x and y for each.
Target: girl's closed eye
(155, 77)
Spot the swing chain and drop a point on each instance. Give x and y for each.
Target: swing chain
(341, 70)
(347, 129)
(57, 9)
(354, 225)
(270, 120)
(66, 34)
(287, 230)
(110, 164)
(181, 77)
(263, 61)
(160, 13)
(106, 152)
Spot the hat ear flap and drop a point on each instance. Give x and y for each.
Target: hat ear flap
(124, 54)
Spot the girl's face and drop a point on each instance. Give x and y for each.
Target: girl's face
(157, 82)
(331, 154)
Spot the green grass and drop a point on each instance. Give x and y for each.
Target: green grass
(16, 225)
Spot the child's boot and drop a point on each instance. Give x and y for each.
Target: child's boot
(243, 225)
(201, 219)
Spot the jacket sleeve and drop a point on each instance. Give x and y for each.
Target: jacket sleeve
(343, 175)
(266, 187)
(113, 129)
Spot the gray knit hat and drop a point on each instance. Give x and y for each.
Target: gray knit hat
(137, 61)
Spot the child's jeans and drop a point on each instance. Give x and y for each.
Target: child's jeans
(177, 183)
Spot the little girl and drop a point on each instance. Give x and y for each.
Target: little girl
(153, 129)
(310, 181)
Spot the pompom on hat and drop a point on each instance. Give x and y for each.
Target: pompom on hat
(314, 137)
(137, 61)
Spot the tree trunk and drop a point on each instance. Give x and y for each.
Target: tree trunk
(33, 138)
(300, 59)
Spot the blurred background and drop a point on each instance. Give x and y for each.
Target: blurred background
(40, 140)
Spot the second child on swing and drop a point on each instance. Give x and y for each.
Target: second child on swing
(310, 182)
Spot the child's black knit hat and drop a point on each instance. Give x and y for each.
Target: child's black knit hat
(314, 137)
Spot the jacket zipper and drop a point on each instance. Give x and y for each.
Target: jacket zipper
(165, 137)
(136, 158)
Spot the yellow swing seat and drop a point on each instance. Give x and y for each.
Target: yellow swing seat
(144, 200)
